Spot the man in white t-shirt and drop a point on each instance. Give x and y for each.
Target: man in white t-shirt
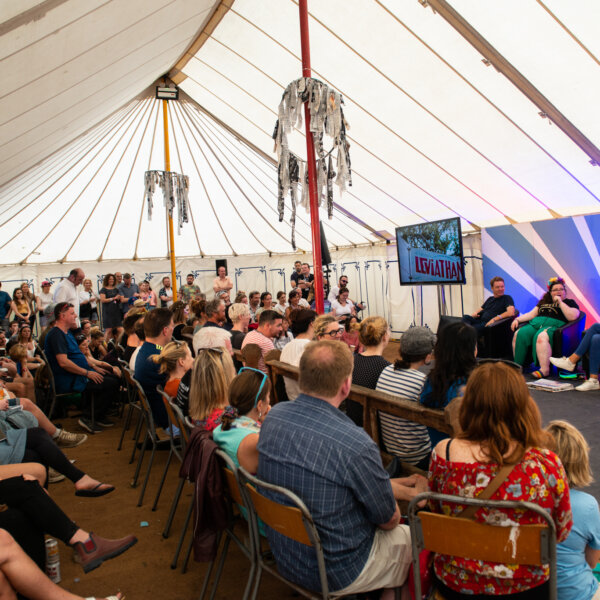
(66, 290)
(269, 327)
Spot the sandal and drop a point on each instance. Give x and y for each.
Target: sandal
(537, 374)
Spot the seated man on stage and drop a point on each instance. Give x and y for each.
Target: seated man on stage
(312, 448)
(495, 308)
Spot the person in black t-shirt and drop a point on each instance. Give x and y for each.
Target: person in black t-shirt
(296, 274)
(550, 313)
(496, 307)
(305, 281)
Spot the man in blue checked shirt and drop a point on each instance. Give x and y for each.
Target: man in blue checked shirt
(310, 447)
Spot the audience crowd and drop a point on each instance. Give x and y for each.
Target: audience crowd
(210, 355)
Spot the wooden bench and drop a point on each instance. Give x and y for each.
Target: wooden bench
(373, 401)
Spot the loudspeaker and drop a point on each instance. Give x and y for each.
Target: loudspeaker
(325, 256)
(221, 262)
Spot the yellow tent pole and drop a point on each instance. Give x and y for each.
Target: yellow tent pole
(169, 217)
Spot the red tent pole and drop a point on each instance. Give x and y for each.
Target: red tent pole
(312, 167)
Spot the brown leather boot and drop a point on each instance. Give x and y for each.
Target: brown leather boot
(95, 550)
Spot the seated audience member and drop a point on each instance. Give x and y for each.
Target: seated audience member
(266, 303)
(579, 554)
(350, 335)
(96, 344)
(105, 368)
(215, 313)
(24, 337)
(30, 513)
(240, 317)
(364, 546)
(158, 329)
(303, 332)
(130, 340)
(241, 297)
(50, 321)
(9, 403)
(18, 354)
(551, 312)
(5, 307)
(406, 440)
(341, 307)
(224, 296)
(253, 305)
(334, 292)
(501, 426)
(269, 327)
(19, 574)
(179, 319)
(285, 336)
(454, 352)
(73, 373)
(295, 301)
(496, 307)
(198, 313)
(241, 420)
(209, 387)
(205, 338)
(281, 303)
(374, 336)
(175, 359)
(326, 327)
(222, 282)
(590, 343)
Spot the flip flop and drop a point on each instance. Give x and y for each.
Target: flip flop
(537, 374)
(95, 492)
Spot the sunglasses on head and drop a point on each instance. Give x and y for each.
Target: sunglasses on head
(262, 383)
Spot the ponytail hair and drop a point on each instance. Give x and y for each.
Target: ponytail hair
(242, 396)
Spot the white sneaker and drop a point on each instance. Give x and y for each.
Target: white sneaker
(563, 363)
(588, 386)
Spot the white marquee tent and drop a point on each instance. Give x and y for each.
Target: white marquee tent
(474, 108)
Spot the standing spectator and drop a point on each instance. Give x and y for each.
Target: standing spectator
(5, 301)
(253, 305)
(112, 317)
(165, 294)
(147, 295)
(71, 370)
(127, 290)
(306, 282)
(296, 274)
(20, 306)
(45, 299)
(222, 282)
(119, 278)
(190, 290)
(281, 303)
(88, 302)
(269, 326)
(66, 290)
(158, 329)
(32, 301)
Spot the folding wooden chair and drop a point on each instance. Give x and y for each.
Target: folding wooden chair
(235, 498)
(292, 520)
(535, 544)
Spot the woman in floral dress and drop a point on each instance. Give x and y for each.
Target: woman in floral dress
(500, 425)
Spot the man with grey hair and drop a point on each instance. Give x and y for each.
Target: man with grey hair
(215, 313)
(314, 450)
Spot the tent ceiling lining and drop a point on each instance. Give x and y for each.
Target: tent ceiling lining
(514, 76)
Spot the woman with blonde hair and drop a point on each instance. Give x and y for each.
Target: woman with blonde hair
(240, 317)
(212, 373)
(500, 427)
(326, 327)
(175, 359)
(580, 552)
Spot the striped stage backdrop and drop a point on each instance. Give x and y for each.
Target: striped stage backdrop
(528, 254)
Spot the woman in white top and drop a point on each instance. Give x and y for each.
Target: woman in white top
(342, 307)
(222, 283)
(281, 303)
(302, 329)
(45, 299)
(88, 302)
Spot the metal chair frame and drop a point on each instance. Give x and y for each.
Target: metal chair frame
(253, 485)
(133, 406)
(545, 536)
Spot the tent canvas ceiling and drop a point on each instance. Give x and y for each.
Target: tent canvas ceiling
(436, 130)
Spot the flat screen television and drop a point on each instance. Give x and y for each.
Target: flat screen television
(431, 253)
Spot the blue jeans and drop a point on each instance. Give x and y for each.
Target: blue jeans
(591, 343)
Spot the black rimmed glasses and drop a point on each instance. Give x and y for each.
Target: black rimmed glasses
(262, 383)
